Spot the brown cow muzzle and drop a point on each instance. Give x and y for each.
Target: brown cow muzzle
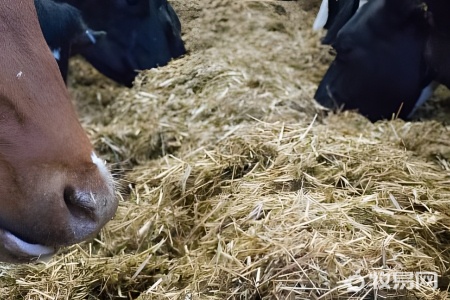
(62, 208)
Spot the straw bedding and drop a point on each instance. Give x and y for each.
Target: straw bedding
(235, 185)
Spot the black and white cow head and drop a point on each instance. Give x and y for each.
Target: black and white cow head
(141, 34)
(63, 28)
(379, 69)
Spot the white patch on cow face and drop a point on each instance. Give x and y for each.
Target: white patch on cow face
(322, 16)
(362, 2)
(57, 53)
(103, 170)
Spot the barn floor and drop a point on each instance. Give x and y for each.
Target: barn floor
(234, 184)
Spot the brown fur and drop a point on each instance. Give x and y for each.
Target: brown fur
(44, 152)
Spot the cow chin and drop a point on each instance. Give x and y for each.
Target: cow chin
(327, 98)
(15, 250)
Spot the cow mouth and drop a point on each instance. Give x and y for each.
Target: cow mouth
(330, 99)
(15, 249)
(337, 100)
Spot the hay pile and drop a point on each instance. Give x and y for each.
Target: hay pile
(234, 185)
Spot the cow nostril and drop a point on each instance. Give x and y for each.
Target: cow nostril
(80, 204)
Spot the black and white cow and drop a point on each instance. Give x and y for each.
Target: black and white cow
(63, 28)
(380, 68)
(128, 35)
(141, 34)
(334, 14)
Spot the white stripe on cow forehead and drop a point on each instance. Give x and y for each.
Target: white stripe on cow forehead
(322, 16)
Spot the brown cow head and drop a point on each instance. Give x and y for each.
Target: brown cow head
(54, 191)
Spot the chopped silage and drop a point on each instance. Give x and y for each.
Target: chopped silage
(234, 185)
